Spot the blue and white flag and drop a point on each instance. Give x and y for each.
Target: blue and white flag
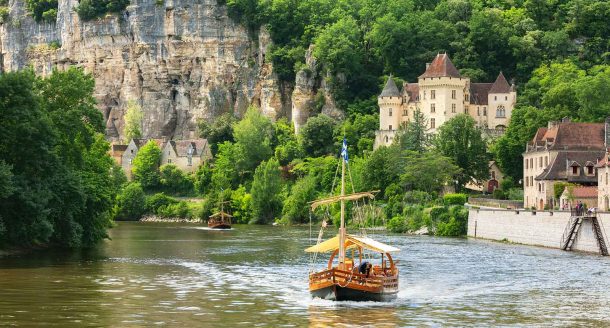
(344, 151)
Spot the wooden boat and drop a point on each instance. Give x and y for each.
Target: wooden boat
(346, 280)
(221, 219)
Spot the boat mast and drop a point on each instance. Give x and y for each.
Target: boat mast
(342, 228)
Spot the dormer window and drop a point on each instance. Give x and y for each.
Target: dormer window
(590, 168)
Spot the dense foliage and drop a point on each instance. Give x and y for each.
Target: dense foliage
(90, 9)
(42, 10)
(58, 181)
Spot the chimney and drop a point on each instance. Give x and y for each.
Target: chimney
(427, 65)
(565, 120)
(552, 124)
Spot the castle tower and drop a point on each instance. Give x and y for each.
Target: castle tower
(442, 92)
(501, 100)
(390, 105)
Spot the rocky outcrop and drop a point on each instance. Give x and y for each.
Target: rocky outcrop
(182, 61)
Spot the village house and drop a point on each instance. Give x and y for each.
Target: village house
(442, 93)
(187, 155)
(603, 187)
(117, 151)
(562, 152)
(571, 196)
(132, 150)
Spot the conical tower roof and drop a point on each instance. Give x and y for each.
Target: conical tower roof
(390, 89)
(501, 85)
(441, 66)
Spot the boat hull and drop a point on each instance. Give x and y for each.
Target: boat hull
(220, 226)
(338, 293)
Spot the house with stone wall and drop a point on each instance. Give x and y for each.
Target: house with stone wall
(442, 93)
(187, 155)
(132, 150)
(561, 152)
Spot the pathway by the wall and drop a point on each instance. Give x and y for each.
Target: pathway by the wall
(532, 228)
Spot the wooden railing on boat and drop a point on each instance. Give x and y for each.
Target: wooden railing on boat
(385, 280)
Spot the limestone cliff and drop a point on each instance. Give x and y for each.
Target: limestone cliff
(182, 60)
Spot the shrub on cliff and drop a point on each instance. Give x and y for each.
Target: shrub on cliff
(90, 9)
(42, 10)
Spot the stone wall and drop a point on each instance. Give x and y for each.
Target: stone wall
(532, 228)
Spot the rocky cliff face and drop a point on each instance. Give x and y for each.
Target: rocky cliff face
(182, 61)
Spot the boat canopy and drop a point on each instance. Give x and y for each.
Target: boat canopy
(351, 241)
(334, 199)
(221, 214)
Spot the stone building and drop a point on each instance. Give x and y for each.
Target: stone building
(562, 152)
(603, 187)
(117, 151)
(583, 194)
(187, 155)
(132, 150)
(442, 93)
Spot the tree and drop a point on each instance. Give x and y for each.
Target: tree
(265, 191)
(131, 203)
(174, 181)
(296, 205)
(219, 131)
(428, 171)
(415, 136)
(254, 134)
(316, 136)
(382, 168)
(460, 140)
(146, 165)
(133, 122)
(226, 174)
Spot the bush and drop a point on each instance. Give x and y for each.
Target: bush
(456, 225)
(42, 10)
(174, 181)
(156, 201)
(455, 199)
(515, 194)
(418, 197)
(397, 224)
(499, 194)
(130, 203)
(178, 210)
(90, 9)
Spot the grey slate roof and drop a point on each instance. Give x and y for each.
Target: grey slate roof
(390, 89)
(560, 168)
(500, 85)
(181, 147)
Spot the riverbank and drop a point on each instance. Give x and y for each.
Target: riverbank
(155, 218)
(535, 228)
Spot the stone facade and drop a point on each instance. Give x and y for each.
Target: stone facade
(441, 94)
(187, 155)
(132, 150)
(562, 152)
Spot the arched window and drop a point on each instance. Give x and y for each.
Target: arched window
(501, 111)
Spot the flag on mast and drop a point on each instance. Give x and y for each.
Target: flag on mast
(344, 151)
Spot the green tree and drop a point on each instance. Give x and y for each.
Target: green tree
(42, 10)
(460, 140)
(226, 173)
(133, 122)
(316, 136)
(415, 136)
(219, 131)
(174, 181)
(131, 203)
(382, 168)
(254, 134)
(265, 191)
(146, 165)
(428, 171)
(296, 205)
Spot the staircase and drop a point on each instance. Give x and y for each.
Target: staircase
(571, 232)
(601, 241)
(573, 227)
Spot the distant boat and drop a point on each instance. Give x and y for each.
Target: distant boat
(220, 220)
(353, 278)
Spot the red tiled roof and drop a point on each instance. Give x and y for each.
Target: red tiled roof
(441, 66)
(572, 136)
(412, 90)
(584, 192)
(501, 85)
(479, 92)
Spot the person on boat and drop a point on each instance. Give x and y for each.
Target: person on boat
(365, 268)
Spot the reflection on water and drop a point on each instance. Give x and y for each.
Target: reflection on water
(179, 274)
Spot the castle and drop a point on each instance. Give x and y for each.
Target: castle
(440, 94)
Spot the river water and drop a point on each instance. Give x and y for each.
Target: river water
(184, 275)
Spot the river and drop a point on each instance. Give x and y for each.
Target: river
(184, 275)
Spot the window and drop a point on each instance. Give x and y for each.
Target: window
(432, 94)
(574, 170)
(532, 163)
(590, 170)
(386, 139)
(546, 161)
(169, 160)
(390, 112)
(493, 175)
(432, 108)
(478, 111)
(501, 111)
(453, 108)
(432, 123)
(190, 158)
(132, 151)
(540, 162)
(505, 97)
(484, 111)
(404, 112)
(539, 186)
(452, 94)
(465, 97)
(390, 128)
(465, 111)
(424, 94)
(495, 97)
(606, 177)
(526, 164)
